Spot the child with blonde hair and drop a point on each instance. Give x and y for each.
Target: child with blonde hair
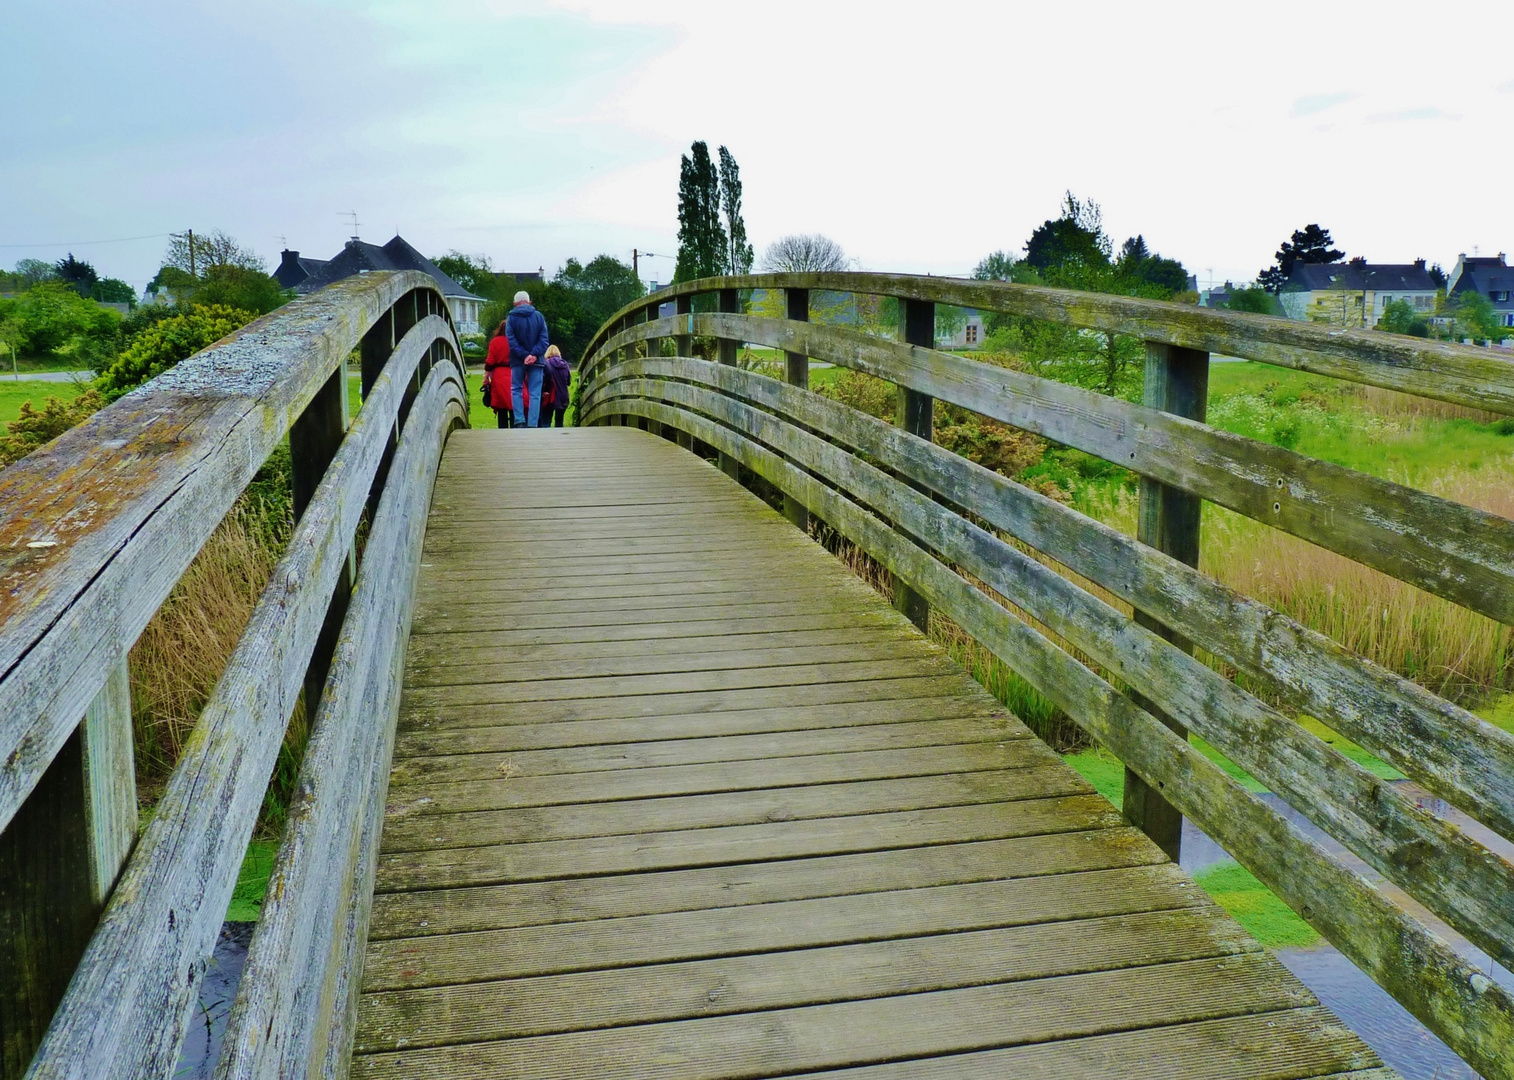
(557, 378)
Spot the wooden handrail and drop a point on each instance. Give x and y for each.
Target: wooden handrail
(929, 517)
(129, 999)
(1462, 374)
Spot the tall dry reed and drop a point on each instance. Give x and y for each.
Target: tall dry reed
(179, 657)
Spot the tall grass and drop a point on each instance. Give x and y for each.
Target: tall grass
(179, 657)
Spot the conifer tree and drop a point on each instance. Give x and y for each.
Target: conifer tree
(739, 258)
(702, 244)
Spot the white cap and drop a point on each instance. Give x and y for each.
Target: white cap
(523, 297)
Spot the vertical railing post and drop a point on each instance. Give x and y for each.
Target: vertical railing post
(651, 347)
(683, 345)
(313, 442)
(374, 352)
(917, 320)
(730, 303)
(1177, 381)
(796, 372)
(60, 857)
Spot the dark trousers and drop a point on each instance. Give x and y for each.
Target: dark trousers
(506, 417)
(556, 416)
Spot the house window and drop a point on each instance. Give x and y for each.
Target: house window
(1508, 320)
(1387, 300)
(1499, 297)
(972, 334)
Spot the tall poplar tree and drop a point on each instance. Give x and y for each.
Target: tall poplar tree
(702, 244)
(739, 256)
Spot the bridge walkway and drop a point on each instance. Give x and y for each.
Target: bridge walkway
(676, 795)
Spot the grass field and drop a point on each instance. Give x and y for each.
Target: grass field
(12, 394)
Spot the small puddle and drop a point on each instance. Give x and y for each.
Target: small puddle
(207, 1024)
(1403, 1043)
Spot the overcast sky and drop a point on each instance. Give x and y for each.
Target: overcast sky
(918, 136)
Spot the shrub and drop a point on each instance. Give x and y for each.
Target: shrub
(35, 428)
(164, 343)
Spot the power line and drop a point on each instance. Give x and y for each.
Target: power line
(90, 243)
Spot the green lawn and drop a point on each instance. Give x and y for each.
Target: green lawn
(12, 394)
(252, 882)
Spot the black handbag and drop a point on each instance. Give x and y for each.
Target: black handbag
(487, 387)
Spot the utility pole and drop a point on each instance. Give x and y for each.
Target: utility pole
(636, 263)
(192, 253)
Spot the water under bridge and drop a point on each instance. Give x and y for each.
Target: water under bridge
(616, 772)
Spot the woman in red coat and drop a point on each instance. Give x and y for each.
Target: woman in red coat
(497, 375)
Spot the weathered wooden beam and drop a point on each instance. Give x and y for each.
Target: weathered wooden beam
(729, 301)
(796, 371)
(916, 415)
(1177, 382)
(129, 999)
(110, 781)
(48, 907)
(1462, 374)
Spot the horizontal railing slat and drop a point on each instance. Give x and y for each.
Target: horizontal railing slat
(128, 1001)
(1470, 1012)
(1454, 551)
(1455, 754)
(124, 502)
(1462, 374)
(1450, 873)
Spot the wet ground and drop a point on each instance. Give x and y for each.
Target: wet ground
(202, 1045)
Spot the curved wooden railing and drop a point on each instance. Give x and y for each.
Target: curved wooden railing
(943, 526)
(98, 527)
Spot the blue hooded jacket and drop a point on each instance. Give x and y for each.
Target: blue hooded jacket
(527, 332)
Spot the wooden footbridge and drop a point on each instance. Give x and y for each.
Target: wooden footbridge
(615, 772)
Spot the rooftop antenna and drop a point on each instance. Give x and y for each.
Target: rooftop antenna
(284, 242)
(355, 224)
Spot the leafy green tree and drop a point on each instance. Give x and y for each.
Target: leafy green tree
(113, 291)
(1256, 301)
(166, 342)
(1475, 317)
(473, 272)
(703, 247)
(1399, 317)
(996, 266)
(34, 271)
(1073, 241)
(52, 317)
(208, 250)
(77, 274)
(739, 260)
(1140, 265)
(238, 287)
(1310, 245)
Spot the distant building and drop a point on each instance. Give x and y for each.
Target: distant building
(1490, 276)
(1217, 298)
(1356, 293)
(969, 335)
(305, 275)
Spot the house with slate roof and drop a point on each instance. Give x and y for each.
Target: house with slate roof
(1356, 293)
(1490, 276)
(305, 275)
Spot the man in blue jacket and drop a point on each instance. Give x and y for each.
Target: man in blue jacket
(526, 331)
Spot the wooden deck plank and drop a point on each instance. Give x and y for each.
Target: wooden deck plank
(877, 1030)
(615, 997)
(441, 867)
(580, 899)
(676, 795)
